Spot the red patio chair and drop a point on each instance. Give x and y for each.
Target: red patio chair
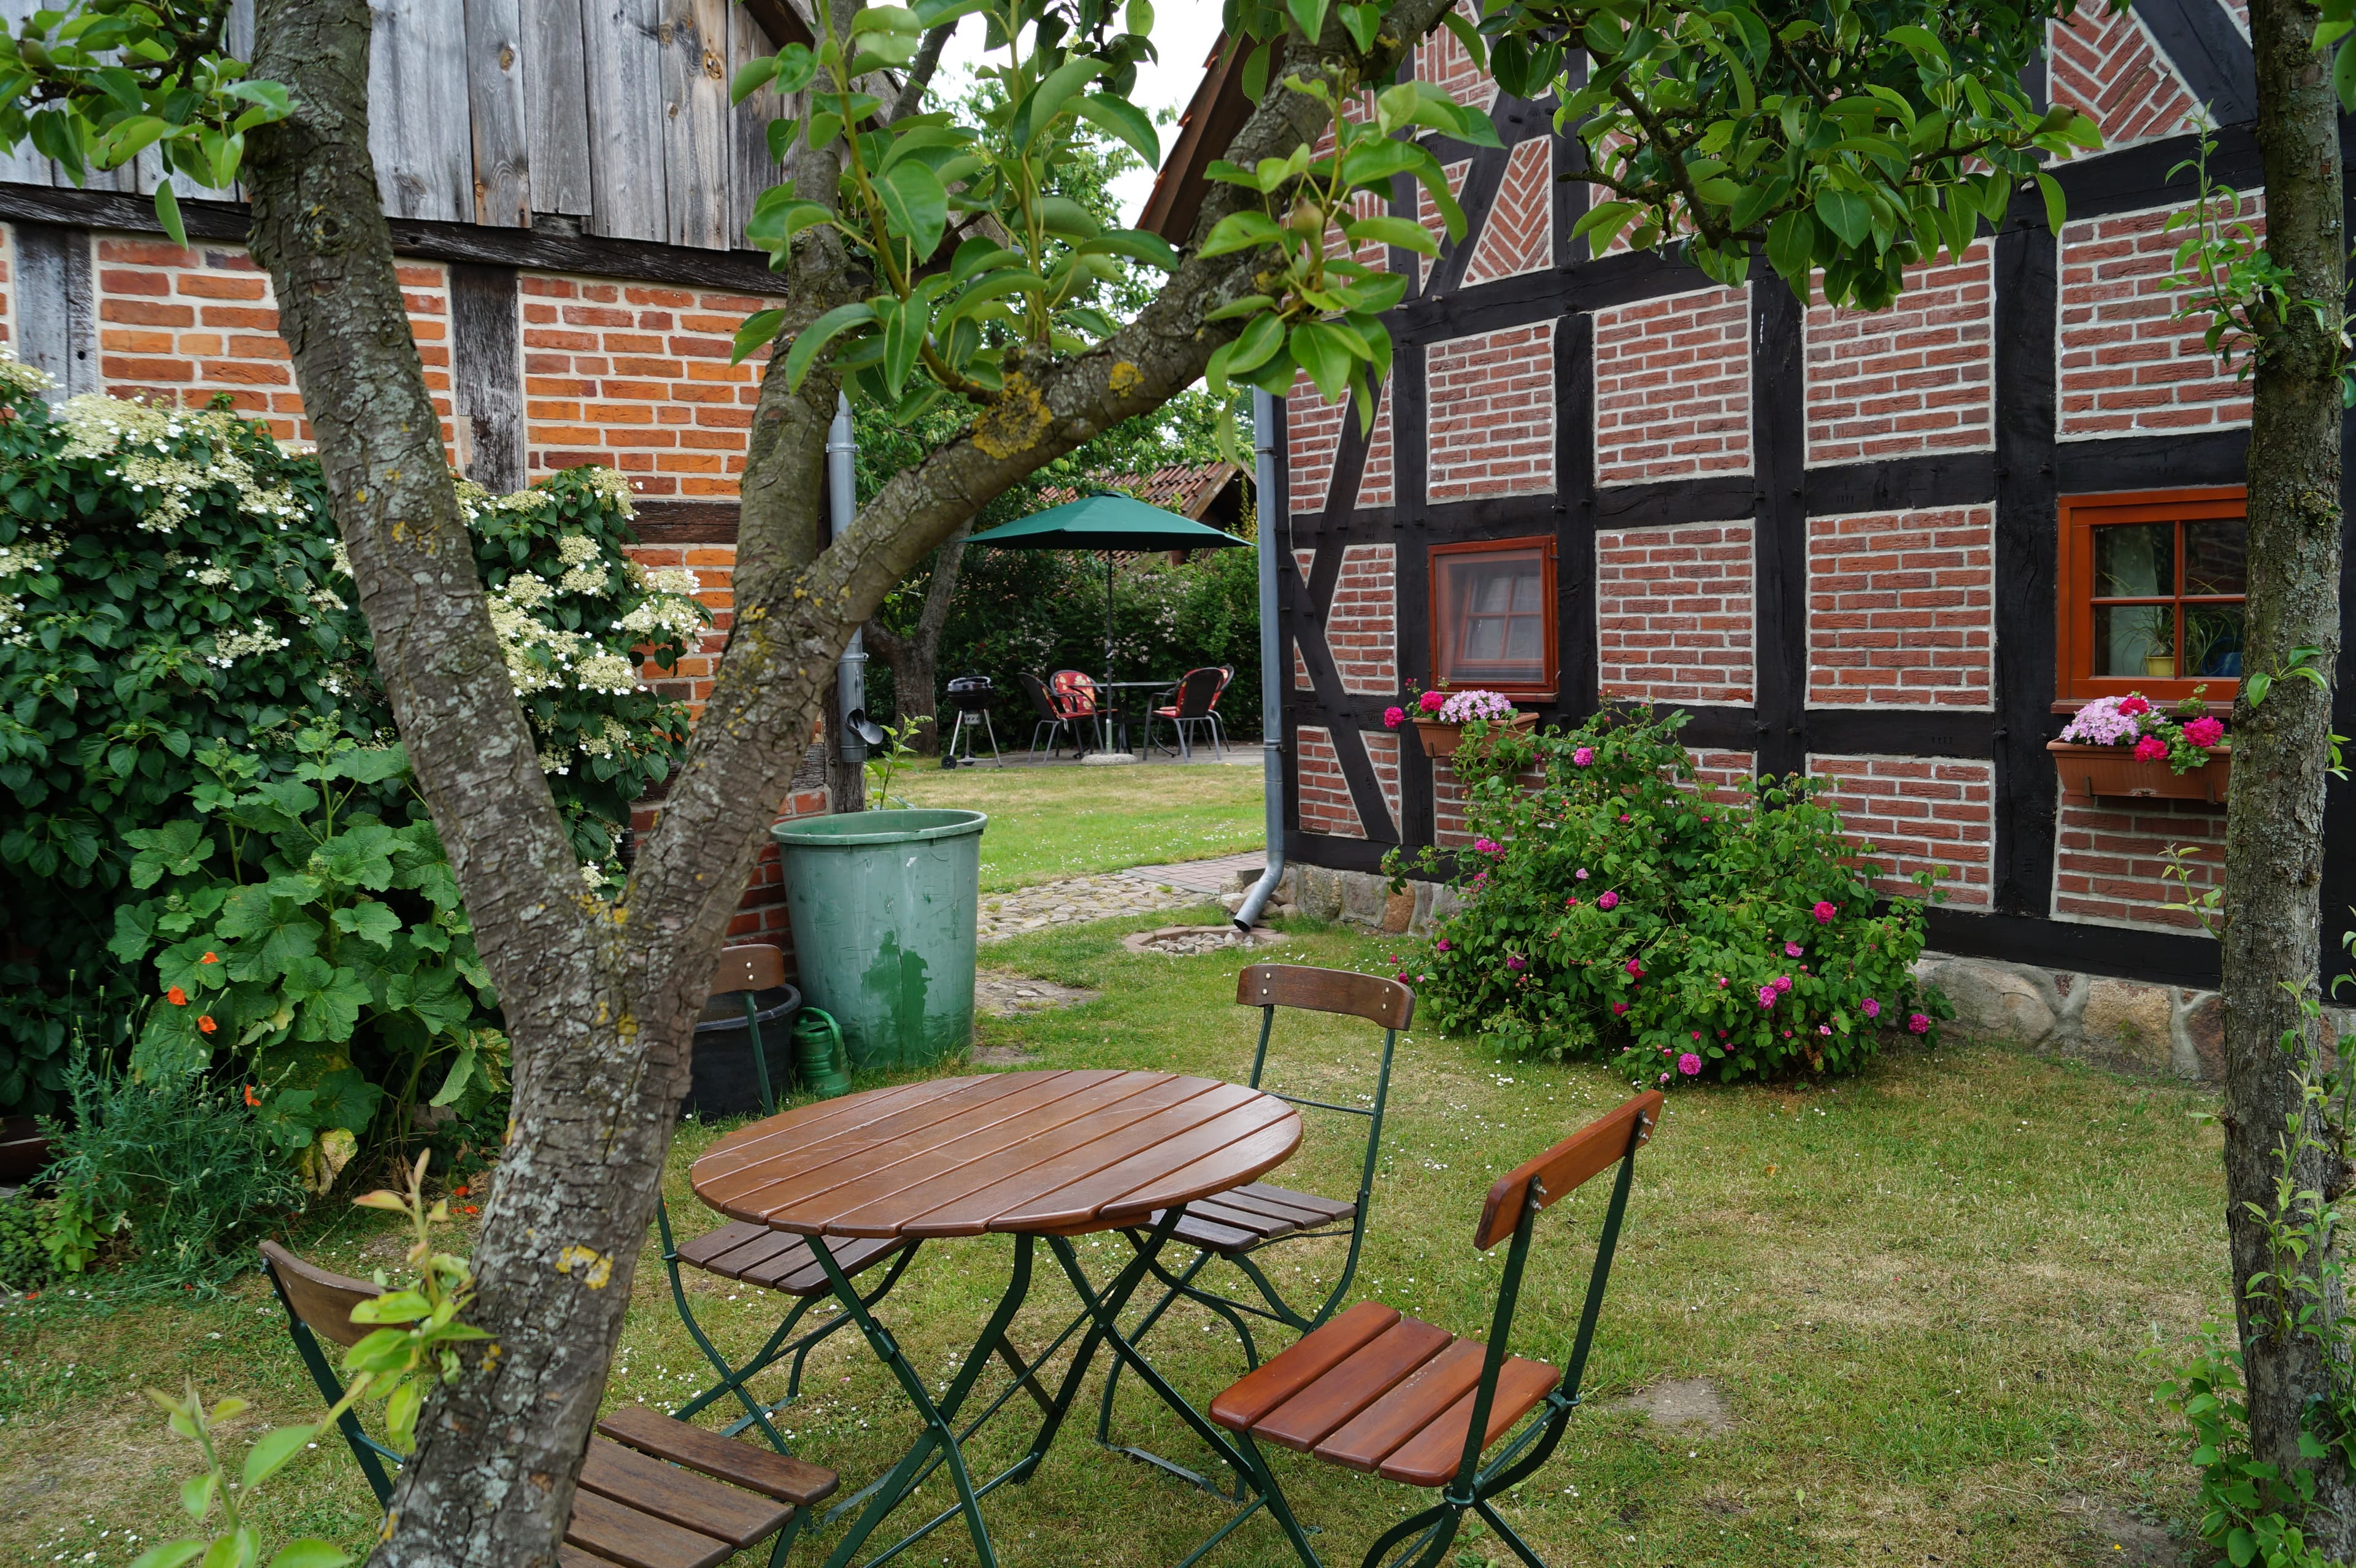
(1195, 705)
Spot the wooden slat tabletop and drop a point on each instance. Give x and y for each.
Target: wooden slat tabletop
(1047, 1151)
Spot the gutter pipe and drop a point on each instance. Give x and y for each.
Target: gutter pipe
(851, 669)
(1272, 666)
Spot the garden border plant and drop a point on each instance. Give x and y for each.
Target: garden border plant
(1616, 905)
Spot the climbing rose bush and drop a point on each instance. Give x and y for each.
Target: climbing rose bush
(1621, 910)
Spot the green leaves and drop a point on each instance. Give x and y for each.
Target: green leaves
(917, 207)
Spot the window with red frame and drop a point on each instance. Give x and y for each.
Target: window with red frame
(1493, 616)
(2150, 591)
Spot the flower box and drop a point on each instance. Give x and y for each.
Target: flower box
(1439, 738)
(2114, 771)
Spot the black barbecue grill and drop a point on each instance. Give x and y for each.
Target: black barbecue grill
(970, 694)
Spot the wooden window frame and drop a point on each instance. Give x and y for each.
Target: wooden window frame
(2076, 681)
(1548, 612)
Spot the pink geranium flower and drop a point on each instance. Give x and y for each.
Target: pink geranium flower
(1825, 912)
(1609, 900)
(1920, 1023)
(1431, 701)
(2150, 749)
(1584, 756)
(2205, 731)
(1393, 718)
(2132, 705)
(1689, 1065)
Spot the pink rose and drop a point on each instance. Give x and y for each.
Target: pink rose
(1665, 1080)
(1581, 873)
(1609, 900)
(1782, 982)
(1634, 968)
(1393, 718)
(1870, 1007)
(1442, 944)
(1825, 912)
(1793, 950)
(1619, 1008)
(1516, 963)
(1766, 996)
(1584, 756)
(1697, 1034)
(2205, 731)
(1821, 1028)
(2150, 749)
(1920, 1023)
(1721, 982)
(1487, 847)
(1432, 702)
(1689, 1065)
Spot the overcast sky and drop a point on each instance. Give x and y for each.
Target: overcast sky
(1183, 33)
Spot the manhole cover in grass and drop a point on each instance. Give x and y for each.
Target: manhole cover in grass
(1184, 941)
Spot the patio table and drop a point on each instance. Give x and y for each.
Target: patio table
(1050, 1155)
(1113, 715)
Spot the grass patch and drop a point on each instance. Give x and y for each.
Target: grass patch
(1920, 1296)
(1051, 823)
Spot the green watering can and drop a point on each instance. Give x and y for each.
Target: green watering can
(820, 1057)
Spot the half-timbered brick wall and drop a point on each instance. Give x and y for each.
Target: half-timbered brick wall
(1829, 537)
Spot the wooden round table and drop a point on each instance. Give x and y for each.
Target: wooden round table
(1042, 1154)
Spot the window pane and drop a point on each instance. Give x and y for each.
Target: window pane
(1526, 639)
(1492, 588)
(1492, 610)
(2135, 641)
(2213, 635)
(2214, 557)
(1484, 638)
(2134, 560)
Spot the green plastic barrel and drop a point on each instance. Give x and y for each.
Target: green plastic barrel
(883, 905)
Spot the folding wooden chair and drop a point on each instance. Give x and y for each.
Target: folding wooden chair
(654, 1492)
(758, 1256)
(1383, 1393)
(1234, 1225)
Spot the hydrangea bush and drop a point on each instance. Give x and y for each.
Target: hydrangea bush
(196, 759)
(1623, 910)
(2180, 736)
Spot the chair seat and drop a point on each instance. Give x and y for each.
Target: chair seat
(1252, 1216)
(1382, 1393)
(775, 1261)
(657, 1493)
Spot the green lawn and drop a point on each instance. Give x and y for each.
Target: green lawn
(1049, 823)
(1922, 1295)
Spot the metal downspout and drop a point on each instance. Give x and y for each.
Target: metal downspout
(1272, 662)
(851, 669)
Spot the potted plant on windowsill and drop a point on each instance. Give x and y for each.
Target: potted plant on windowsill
(2129, 746)
(1439, 717)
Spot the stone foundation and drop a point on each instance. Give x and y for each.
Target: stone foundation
(2130, 1026)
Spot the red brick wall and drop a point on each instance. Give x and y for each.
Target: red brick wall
(1374, 479)
(178, 325)
(1491, 399)
(1440, 59)
(1673, 387)
(1361, 628)
(1902, 609)
(2109, 865)
(1727, 772)
(1519, 234)
(2126, 367)
(1920, 813)
(1383, 755)
(689, 681)
(1918, 376)
(1672, 615)
(1312, 436)
(636, 376)
(2107, 66)
(1426, 211)
(1324, 793)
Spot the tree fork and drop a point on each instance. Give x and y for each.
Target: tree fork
(2274, 841)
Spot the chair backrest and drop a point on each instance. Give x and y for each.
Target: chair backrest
(319, 1305)
(1198, 690)
(1510, 1208)
(750, 967)
(1076, 694)
(1036, 690)
(1268, 987)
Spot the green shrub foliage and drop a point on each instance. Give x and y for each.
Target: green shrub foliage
(209, 840)
(1614, 907)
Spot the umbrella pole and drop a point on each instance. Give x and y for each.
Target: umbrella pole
(1109, 669)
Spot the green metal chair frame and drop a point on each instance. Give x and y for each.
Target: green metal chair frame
(1511, 1209)
(745, 970)
(300, 1285)
(1269, 986)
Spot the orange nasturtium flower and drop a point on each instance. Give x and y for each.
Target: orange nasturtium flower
(205, 1024)
(209, 958)
(250, 1097)
(177, 997)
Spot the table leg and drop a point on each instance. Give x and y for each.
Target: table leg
(938, 1437)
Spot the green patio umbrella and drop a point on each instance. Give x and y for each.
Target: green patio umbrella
(1108, 522)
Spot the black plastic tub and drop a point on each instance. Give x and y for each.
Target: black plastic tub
(723, 1083)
